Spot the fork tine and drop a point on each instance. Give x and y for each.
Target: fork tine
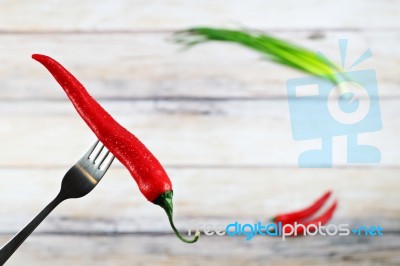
(108, 164)
(98, 153)
(104, 158)
(91, 149)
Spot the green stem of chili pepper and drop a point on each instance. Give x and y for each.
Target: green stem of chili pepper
(165, 201)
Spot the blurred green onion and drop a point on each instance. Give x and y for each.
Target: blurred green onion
(275, 49)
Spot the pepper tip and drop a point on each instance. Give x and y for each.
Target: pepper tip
(38, 57)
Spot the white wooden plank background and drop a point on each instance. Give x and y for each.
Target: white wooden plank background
(165, 15)
(216, 116)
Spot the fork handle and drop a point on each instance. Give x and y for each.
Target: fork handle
(8, 249)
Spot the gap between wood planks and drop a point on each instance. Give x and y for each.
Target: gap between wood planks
(172, 30)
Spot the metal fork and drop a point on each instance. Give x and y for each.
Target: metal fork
(77, 182)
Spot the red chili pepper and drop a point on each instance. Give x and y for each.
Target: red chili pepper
(147, 171)
(297, 216)
(322, 219)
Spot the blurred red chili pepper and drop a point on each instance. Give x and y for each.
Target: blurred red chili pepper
(304, 218)
(320, 220)
(297, 216)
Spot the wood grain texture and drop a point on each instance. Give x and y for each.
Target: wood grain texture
(147, 65)
(161, 15)
(165, 250)
(179, 132)
(201, 196)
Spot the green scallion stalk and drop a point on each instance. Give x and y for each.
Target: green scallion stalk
(275, 49)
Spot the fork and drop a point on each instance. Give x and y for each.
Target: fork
(83, 176)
